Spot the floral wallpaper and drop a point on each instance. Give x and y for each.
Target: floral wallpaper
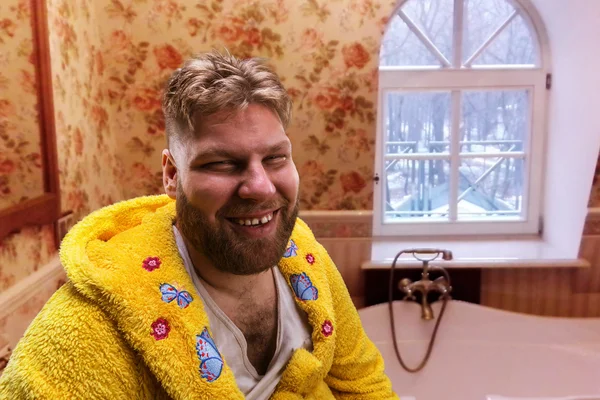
(21, 175)
(90, 170)
(325, 51)
(110, 60)
(20, 159)
(24, 253)
(87, 151)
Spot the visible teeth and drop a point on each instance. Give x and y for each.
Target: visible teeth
(255, 221)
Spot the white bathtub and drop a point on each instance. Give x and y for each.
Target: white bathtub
(482, 351)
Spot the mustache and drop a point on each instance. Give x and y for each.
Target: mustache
(251, 208)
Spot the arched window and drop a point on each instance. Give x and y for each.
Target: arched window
(461, 119)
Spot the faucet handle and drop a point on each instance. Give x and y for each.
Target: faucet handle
(442, 286)
(405, 286)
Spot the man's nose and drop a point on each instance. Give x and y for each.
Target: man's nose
(257, 184)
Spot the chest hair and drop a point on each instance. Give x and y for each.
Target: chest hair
(258, 323)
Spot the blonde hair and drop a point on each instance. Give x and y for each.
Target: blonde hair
(212, 82)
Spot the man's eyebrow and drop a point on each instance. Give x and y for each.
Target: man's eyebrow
(215, 152)
(283, 145)
(212, 152)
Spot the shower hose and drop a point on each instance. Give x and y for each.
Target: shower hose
(444, 297)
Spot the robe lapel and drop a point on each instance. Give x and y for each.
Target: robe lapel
(303, 268)
(143, 285)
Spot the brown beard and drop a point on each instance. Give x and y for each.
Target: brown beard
(224, 247)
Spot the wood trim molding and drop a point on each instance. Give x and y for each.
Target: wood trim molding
(365, 216)
(44, 209)
(45, 96)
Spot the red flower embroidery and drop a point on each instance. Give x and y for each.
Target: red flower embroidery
(151, 263)
(327, 328)
(160, 329)
(310, 258)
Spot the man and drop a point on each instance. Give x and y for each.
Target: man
(213, 291)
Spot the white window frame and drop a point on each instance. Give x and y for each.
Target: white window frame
(454, 80)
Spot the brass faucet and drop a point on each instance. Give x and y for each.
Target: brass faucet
(425, 285)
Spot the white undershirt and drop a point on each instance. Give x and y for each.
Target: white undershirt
(293, 332)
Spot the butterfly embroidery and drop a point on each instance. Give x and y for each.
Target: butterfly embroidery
(291, 250)
(170, 293)
(303, 287)
(211, 362)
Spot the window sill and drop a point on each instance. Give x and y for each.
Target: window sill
(523, 253)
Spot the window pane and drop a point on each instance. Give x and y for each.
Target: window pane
(490, 188)
(416, 189)
(401, 47)
(494, 121)
(482, 18)
(417, 122)
(513, 46)
(435, 19)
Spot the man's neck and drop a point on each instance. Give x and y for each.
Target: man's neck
(227, 284)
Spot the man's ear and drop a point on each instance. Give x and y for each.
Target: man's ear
(169, 170)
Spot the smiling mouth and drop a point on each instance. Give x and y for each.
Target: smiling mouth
(255, 221)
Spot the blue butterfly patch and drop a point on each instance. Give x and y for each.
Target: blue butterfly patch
(211, 362)
(291, 250)
(303, 287)
(170, 293)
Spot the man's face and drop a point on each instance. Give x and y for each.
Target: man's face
(236, 190)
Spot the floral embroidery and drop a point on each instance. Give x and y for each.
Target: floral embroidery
(211, 362)
(151, 263)
(303, 287)
(291, 250)
(327, 328)
(310, 258)
(160, 329)
(170, 293)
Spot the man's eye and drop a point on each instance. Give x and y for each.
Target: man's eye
(220, 166)
(277, 158)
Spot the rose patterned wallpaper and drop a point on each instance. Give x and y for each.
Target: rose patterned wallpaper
(325, 51)
(90, 173)
(25, 253)
(90, 170)
(20, 161)
(110, 60)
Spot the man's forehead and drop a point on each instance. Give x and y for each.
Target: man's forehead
(240, 116)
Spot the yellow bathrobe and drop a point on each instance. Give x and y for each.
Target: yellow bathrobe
(128, 325)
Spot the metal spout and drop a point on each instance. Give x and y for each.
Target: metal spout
(426, 310)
